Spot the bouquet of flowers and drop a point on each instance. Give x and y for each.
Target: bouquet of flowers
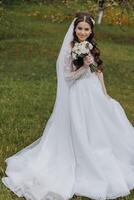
(82, 49)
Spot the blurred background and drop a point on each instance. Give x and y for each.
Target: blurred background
(31, 34)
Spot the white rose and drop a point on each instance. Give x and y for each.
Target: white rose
(90, 46)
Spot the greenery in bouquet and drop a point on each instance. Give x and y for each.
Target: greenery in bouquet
(82, 49)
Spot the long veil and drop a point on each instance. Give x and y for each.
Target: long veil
(59, 117)
(51, 156)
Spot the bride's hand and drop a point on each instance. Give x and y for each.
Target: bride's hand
(87, 61)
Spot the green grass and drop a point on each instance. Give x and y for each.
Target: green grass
(28, 51)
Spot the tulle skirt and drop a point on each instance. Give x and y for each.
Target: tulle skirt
(95, 160)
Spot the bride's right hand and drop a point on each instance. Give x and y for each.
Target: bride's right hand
(87, 61)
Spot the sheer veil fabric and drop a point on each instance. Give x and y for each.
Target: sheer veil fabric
(87, 146)
(30, 175)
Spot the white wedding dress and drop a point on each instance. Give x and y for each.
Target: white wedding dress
(94, 159)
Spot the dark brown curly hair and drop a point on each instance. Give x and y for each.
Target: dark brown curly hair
(95, 51)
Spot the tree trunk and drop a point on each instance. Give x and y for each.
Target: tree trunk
(100, 10)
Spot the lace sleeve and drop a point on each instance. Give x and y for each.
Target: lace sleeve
(70, 72)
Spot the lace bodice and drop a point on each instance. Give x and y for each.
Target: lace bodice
(70, 72)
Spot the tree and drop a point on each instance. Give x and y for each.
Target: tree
(101, 7)
(123, 4)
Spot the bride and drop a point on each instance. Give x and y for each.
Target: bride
(87, 147)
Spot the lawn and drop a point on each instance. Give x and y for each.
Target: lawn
(28, 51)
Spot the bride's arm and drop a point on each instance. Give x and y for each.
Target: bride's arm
(101, 78)
(72, 74)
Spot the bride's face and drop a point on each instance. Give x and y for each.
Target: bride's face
(83, 31)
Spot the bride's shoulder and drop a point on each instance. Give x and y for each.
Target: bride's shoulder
(69, 48)
(68, 51)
